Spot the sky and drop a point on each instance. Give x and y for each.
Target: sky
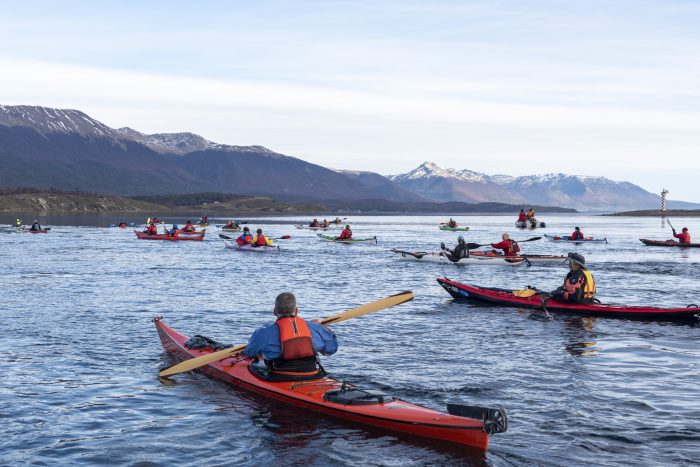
(501, 87)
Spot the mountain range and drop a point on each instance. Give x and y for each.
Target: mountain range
(66, 149)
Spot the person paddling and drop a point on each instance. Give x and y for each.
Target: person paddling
(460, 251)
(231, 224)
(337, 220)
(683, 237)
(189, 227)
(287, 350)
(522, 217)
(579, 285)
(530, 214)
(509, 247)
(19, 222)
(260, 239)
(174, 231)
(35, 226)
(122, 224)
(346, 234)
(314, 223)
(151, 228)
(245, 238)
(577, 234)
(452, 223)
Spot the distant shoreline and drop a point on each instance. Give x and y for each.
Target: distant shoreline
(658, 213)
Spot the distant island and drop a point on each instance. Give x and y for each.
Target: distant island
(37, 201)
(659, 213)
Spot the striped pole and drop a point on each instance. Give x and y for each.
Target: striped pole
(664, 192)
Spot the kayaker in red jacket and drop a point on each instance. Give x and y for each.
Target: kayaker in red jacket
(509, 247)
(287, 349)
(683, 237)
(260, 239)
(579, 285)
(151, 229)
(577, 234)
(346, 234)
(522, 217)
(314, 223)
(189, 227)
(451, 223)
(245, 238)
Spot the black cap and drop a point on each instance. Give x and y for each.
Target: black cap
(577, 258)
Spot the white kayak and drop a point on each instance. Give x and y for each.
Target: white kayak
(330, 238)
(428, 257)
(557, 238)
(251, 248)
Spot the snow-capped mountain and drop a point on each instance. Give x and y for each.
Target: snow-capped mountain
(48, 120)
(584, 193)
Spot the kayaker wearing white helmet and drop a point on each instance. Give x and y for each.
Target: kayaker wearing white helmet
(287, 349)
(460, 251)
(579, 285)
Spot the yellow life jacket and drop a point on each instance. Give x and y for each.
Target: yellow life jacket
(590, 290)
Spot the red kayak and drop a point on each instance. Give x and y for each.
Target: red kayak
(196, 236)
(36, 231)
(668, 243)
(464, 425)
(507, 297)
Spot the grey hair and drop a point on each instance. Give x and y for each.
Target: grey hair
(285, 304)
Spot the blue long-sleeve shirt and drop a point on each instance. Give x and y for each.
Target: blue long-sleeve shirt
(265, 341)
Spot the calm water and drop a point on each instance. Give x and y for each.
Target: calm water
(80, 355)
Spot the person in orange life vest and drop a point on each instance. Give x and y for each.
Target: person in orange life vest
(346, 234)
(509, 247)
(521, 216)
(152, 229)
(245, 238)
(577, 234)
(530, 214)
(260, 239)
(452, 223)
(189, 227)
(579, 285)
(289, 347)
(174, 231)
(683, 237)
(122, 224)
(314, 223)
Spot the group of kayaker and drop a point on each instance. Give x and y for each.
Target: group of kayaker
(154, 219)
(231, 224)
(246, 238)
(326, 223)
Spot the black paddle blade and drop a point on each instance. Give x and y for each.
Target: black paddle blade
(495, 420)
(225, 237)
(473, 246)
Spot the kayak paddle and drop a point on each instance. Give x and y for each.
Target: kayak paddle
(472, 246)
(371, 307)
(669, 223)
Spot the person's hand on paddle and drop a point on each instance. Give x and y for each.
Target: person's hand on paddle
(442, 246)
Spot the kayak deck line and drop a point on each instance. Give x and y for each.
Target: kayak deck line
(405, 417)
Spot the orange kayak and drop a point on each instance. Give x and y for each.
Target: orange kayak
(465, 425)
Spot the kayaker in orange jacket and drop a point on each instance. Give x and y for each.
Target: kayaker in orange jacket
(151, 229)
(683, 237)
(579, 285)
(245, 238)
(346, 234)
(260, 239)
(577, 234)
(189, 227)
(509, 247)
(287, 349)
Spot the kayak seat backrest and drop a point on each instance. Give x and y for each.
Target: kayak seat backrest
(355, 396)
(263, 372)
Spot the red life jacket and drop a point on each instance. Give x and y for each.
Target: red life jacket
(577, 235)
(521, 217)
(345, 234)
(152, 229)
(260, 240)
(244, 239)
(683, 237)
(189, 228)
(295, 338)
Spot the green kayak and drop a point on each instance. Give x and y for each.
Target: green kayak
(331, 238)
(453, 229)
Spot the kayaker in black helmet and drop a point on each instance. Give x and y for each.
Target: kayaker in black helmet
(579, 285)
(287, 349)
(577, 234)
(35, 226)
(460, 251)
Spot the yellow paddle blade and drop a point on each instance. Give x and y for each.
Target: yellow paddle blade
(371, 307)
(197, 362)
(524, 293)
